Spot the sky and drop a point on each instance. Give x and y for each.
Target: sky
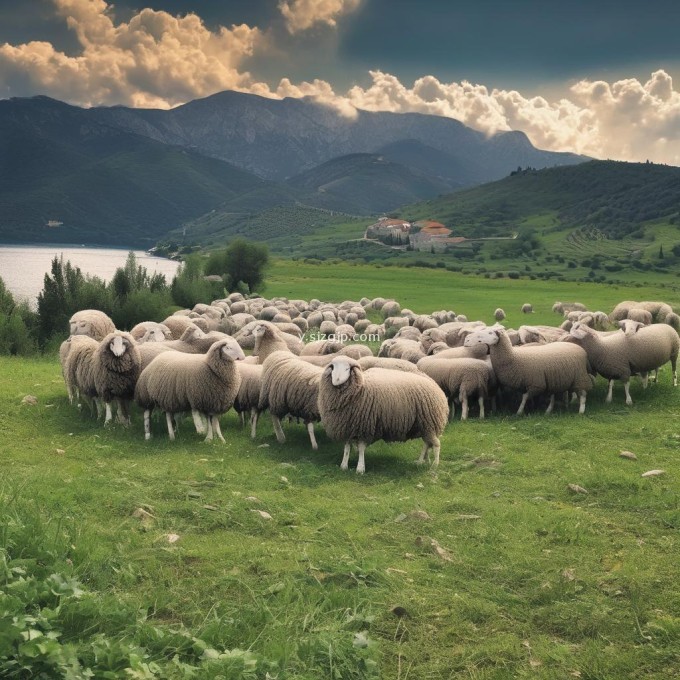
(589, 76)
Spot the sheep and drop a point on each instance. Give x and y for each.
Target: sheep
(390, 308)
(408, 333)
(319, 347)
(177, 325)
(79, 373)
(248, 395)
(367, 363)
(474, 352)
(540, 334)
(268, 339)
(116, 368)
(639, 349)
(361, 407)
(356, 351)
(642, 315)
(673, 320)
(542, 369)
(423, 322)
(499, 314)
(658, 310)
(202, 383)
(91, 322)
(565, 307)
(290, 386)
(461, 379)
(527, 308)
(69, 361)
(141, 329)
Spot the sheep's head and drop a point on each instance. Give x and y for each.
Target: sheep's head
(192, 333)
(579, 330)
(119, 343)
(487, 336)
(80, 327)
(230, 349)
(260, 330)
(630, 327)
(340, 370)
(158, 333)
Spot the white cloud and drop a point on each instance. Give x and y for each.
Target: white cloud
(155, 59)
(301, 15)
(159, 60)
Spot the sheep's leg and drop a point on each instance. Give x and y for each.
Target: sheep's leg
(171, 429)
(494, 404)
(608, 400)
(312, 438)
(520, 410)
(253, 423)
(675, 376)
(216, 428)
(452, 410)
(436, 448)
(551, 405)
(109, 414)
(582, 402)
(566, 399)
(645, 380)
(147, 424)
(464, 402)
(278, 431)
(361, 465)
(209, 436)
(656, 376)
(242, 418)
(424, 454)
(480, 401)
(199, 424)
(345, 456)
(626, 387)
(123, 415)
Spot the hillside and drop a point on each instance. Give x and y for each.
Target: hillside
(364, 184)
(614, 197)
(105, 185)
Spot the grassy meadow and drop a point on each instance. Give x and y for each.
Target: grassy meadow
(260, 560)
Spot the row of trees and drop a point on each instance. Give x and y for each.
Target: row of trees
(132, 295)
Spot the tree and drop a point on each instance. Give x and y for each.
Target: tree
(240, 263)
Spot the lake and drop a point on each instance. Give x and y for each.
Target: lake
(23, 268)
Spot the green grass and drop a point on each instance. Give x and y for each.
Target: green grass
(525, 578)
(534, 581)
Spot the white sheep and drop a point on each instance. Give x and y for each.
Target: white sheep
(176, 382)
(461, 379)
(550, 369)
(91, 322)
(361, 407)
(290, 387)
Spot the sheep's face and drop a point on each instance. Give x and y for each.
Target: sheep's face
(80, 327)
(232, 350)
(487, 336)
(578, 331)
(156, 334)
(340, 371)
(630, 327)
(259, 330)
(119, 345)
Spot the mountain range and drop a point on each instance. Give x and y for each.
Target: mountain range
(128, 176)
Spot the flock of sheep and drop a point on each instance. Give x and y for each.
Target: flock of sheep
(194, 362)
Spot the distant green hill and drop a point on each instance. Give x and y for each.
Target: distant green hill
(613, 197)
(364, 184)
(103, 184)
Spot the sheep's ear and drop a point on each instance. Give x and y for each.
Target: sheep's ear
(327, 371)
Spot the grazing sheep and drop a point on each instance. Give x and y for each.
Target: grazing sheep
(527, 308)
(651, 347)
(551, 369)
(91, 322)
(673, 320)
(69, 361)
(79, 371)
(361, 407)
(461, 379)
(290, 386)
(565, 307)
(319, 347)
(658, 310)
(423, 322)
(408, 333)
(116, 368)
(474, 352)
(390, 308)
(540, 334)
(499, 314)
(202, 383)
(248, 394)
(642, 315)
(356, 351)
